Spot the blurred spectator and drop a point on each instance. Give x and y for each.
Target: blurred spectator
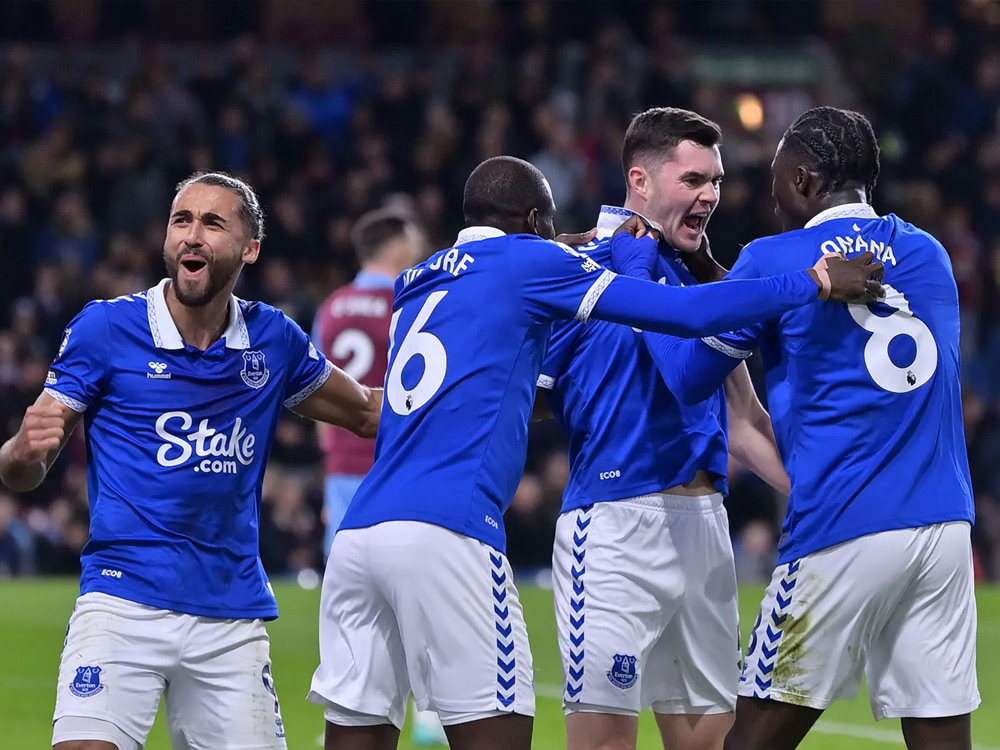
(399, 105)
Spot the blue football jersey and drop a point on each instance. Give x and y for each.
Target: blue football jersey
(628, 435)
(469, 330)
(865, 398)
(177, 441)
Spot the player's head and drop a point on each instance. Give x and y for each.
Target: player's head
(827, 157)
(215, 226)
(387, 241)
(511, 195)
(673, 171)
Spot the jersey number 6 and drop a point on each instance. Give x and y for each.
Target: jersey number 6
(416, 342)
(886, 374)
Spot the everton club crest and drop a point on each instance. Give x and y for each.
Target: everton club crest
(87, 682)
(622, 673)
(254, 372)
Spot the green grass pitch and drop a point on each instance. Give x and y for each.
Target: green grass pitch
(35, 612)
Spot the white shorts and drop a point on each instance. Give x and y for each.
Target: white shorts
(409, 606)
(120, 657)
(897, 605)
(646, 606)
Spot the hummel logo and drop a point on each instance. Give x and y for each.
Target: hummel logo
(158, 373)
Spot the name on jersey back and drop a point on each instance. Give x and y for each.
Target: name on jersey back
(851, 245)
(359, 306)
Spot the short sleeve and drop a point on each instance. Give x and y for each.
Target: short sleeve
(562, 343)
(79, 372)
(307, 368)
(559, 282)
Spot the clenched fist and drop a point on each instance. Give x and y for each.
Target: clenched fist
(42, 432)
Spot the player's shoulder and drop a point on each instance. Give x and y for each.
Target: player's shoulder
(126, 309)
(911, 233)
(260, 316)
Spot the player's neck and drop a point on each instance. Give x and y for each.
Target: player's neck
(201, 326)
(638, 206)
(388, 270)
(839, 198)
(634, 204)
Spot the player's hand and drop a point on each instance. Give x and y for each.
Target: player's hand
(634, 248)
(576, 240)
(702, 265)
(371, 414)
(42, 432)
(851, 280)
(636, 226)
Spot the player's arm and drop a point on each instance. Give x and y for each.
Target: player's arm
(344, 402)
(705, 268)
(77, 378)
(707, 309)
(751, 435)
(692, 369)
(26, 458)
(540, 410)
(318, 390)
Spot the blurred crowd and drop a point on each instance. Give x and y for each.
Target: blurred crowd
(331, 109)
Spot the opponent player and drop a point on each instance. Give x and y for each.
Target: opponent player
(181, 386)
(643, 570)
(352, 329)
(418, 594)
(875, 565)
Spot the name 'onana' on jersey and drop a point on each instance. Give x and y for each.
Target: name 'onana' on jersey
(865, 398)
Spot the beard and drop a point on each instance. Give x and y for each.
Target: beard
(198, 293)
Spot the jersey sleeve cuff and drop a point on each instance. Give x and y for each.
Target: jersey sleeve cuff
(310, 389)
(729, 351)
(62, 398)
(546, 381)
(593, 294)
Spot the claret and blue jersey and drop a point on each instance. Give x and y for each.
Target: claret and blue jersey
(865, 398)
(628, 435)
(177, 442)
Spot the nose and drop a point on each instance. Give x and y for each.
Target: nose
(709, 195)
(193, 237)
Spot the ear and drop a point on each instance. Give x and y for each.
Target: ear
(250, 252)
(808, 183)
(531, 221)
(638, 181)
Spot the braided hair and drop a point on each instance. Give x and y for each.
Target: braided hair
(839, 145)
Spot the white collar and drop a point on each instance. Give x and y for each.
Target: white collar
(611, 217)
(164, 330)
(844, 211)
(474, 234)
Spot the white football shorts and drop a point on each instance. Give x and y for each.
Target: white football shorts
(897, 605)
(646, 606)
(410, 606)
(214, 674)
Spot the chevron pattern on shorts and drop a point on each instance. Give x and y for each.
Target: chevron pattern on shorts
(506, 661)
(577, 603)
(770, 631)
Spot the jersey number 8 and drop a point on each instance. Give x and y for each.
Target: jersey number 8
(416, 342)
(886, 374)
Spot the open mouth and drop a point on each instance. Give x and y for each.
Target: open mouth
(696, 222)
(193, 264)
